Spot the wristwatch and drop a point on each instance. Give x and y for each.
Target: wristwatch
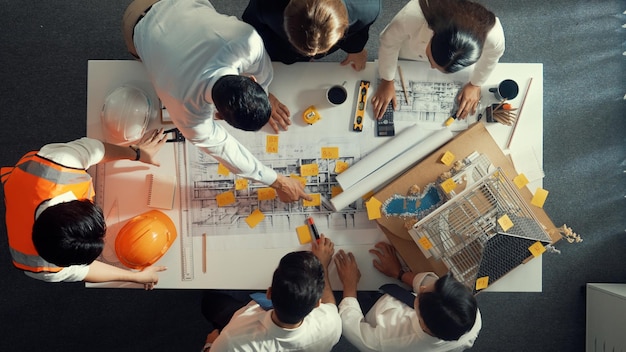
(137, 151)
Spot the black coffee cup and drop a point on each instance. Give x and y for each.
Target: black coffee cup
(507, 89)
(337, 94)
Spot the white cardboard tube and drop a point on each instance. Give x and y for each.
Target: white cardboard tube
(399, 164)
(380, 156)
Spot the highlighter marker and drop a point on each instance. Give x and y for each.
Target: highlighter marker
(450, 120)
(313, 228)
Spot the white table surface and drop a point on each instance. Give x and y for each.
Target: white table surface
(299, 86)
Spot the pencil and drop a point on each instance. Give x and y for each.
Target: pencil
(499, 105)
(519, 114)
(204, 252)
(406, 95)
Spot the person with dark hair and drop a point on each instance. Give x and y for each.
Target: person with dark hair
(444, 315)
(451, 35)
(301, 30)
(55, 230)
(301, 314)
(207, 66)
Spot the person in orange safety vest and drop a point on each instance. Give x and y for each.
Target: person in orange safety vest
(55, 230)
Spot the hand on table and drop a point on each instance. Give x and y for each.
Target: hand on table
(150, 144)
(323, 249)
(468, 99)
(148, 276)
(357, 60)
(348, 272)
(289, 189)
(280, 115)
(384, 94)
(388, 262)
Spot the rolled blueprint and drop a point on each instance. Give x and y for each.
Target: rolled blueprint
(391, 169)
(380, 156)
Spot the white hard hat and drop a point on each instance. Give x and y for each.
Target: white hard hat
(126, 112)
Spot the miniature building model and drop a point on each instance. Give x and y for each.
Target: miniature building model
(484, 230)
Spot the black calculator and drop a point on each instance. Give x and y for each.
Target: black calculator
(384, 126)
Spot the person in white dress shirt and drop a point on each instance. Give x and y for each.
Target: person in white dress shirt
(206, 66)
(444, 315)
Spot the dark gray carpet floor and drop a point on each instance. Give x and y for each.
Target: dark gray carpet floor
(44, 48)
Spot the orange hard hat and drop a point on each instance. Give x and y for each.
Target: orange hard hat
(144, 239)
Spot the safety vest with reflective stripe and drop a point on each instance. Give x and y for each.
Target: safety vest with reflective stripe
(26, 185)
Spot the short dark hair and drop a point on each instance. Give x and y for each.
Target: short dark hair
(454, 49)
(70, 233)
(450, 310)
(315, 26)
(242, 102)
(297, 286)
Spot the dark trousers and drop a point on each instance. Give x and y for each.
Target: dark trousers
(218, 306)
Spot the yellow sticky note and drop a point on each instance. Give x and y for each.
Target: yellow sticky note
(367, 195)
(266, 193)
(271, 144)
(309, 170)
(447, 158)
(241, 183)
(482, 282)
(301, 179)
(225, 198)
(313, 203)
(304, 234)
(373, 208)
(505, 222)
(330, 152)
(448, 185)
(255, 218)
(537, 249)
(222, 170)
(520, 181)
(539, 198)
(425, 243)
(341, 166)
(335, 190)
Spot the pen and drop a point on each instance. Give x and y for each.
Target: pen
(406, 95)
(313, 228)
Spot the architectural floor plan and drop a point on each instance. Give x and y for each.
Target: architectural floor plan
(430, 103)
(221, 202)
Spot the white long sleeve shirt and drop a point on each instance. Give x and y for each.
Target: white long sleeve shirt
(78, 154)
(391, 325)
(408, 35)
(185, 46)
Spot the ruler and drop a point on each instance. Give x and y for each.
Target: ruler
(185, 234)
(99, 184)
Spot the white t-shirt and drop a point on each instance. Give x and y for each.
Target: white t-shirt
(251, 329)
(393, 326)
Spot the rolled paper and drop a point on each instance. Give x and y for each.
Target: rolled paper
(390, 170)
